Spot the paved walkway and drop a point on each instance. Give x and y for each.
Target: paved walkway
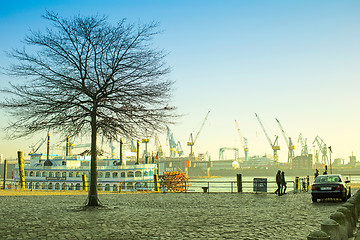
(163, 216)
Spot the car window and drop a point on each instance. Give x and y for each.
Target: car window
(325, 179)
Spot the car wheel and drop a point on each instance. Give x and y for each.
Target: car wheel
(314, 199)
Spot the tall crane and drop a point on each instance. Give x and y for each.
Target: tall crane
(179, 149)
(275, 147)
(243, 142)
(174, 149)
(132, 146)
(37, 145)
(158, 146)
(323, 149)
(289, 143)
(304, 147)
(192, 141)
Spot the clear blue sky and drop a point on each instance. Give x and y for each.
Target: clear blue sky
(297, 61)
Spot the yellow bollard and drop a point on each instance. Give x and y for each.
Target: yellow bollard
(21, 170)
(156, 183)
(84, 180)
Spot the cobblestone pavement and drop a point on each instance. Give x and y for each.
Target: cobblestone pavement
(164, 216)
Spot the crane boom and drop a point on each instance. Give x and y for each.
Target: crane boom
(244, 144)
(202, 125)
(263, 128)
(283, 132)
(289, 144)
(192, 141)
(275, 147)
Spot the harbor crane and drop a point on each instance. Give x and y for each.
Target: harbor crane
(132, 146)
(37, 145)
(322, 148)
(223, 149)
(174, 148)
(158, 146)
(179, 149)
(192, 141)
(289, 143)
(243, 142)
(275, 147)
(304, 147)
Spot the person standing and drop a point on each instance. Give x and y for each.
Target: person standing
(316, 173)
(283, 183)
(326, 170)
(278, 182)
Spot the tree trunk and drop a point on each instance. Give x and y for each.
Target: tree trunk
(93, 196)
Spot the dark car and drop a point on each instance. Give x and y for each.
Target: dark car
(330, 186)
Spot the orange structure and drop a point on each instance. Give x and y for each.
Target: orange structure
(174, 181)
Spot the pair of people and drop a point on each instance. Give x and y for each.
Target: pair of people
(281, 183)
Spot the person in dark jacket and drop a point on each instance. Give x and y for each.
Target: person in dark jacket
(278, 182)
(326, 170)
(316, 173)
(283, 183)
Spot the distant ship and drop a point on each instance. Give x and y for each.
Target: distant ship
(60, 173)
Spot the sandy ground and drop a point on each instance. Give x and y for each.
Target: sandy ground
(160, 216)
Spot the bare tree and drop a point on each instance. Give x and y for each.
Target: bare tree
(84, 75)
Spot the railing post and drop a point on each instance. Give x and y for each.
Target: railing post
(156, 182)
(5, 174)
(21, 170)
(239, 182)
(84, 182)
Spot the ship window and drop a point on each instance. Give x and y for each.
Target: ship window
(58, 174)
(130, 174)
(37, 185)
(78, 174)
(78, 186)
(146, 173)
(26, 173)
(50, 186)
(31, 174)
(122, 186)
(63, 186)
(100, 174)
(107, 187)
(37, 174)
(57, 186)
(138, 174)
(63, 174)
(44, 174)
(43, 186)
(71, 186)
(99, 187)
(51, 174)
(107, 175)
(130, 186)
(115, 175)
(115, 187)
(71, 174)
(138, 185)
(122, 174)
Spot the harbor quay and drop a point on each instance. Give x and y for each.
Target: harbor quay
(162, 216)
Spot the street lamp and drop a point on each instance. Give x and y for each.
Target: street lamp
(330, 159)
